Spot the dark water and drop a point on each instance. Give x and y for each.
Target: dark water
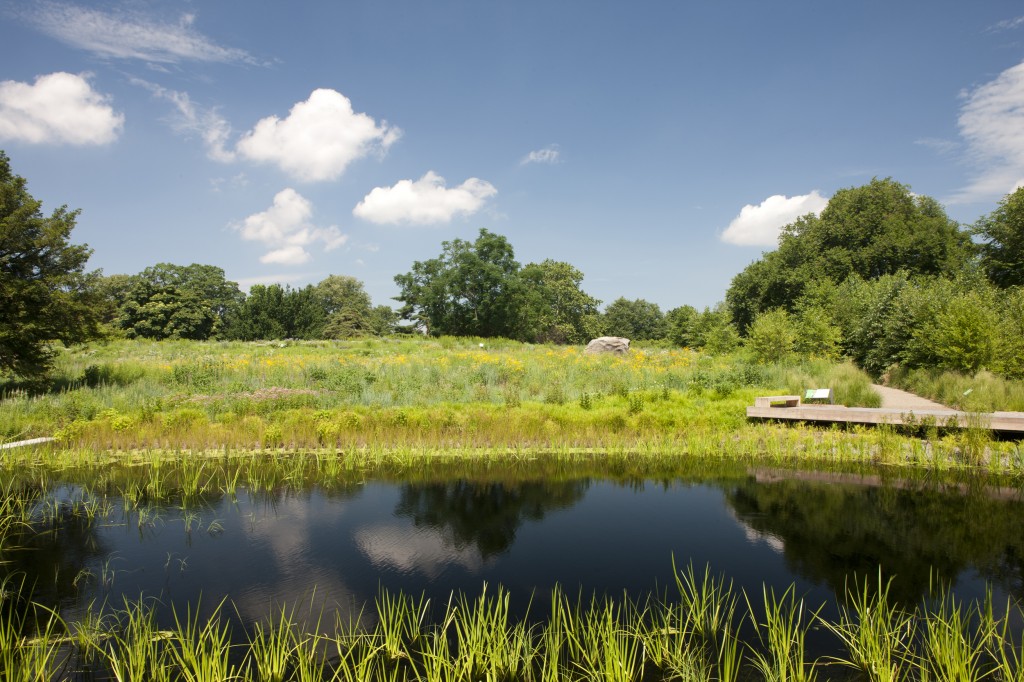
(335, 549)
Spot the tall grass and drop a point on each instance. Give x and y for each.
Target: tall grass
(473, 638)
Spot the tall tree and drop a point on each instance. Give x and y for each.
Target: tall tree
(347, 306)
(45, 293)
(1002, 246)
(639, 320)
(555, 308)
(873, 230)
(167, 301)
(471, 289)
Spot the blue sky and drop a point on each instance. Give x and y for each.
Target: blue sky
(656, 146)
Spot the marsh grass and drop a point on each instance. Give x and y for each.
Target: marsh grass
(474, 638)
(877, 634)
(188, 394)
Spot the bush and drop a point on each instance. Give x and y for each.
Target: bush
(772, 336)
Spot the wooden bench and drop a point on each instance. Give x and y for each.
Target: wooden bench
(777, 401)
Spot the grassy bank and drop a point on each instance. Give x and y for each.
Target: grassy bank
(404, 397)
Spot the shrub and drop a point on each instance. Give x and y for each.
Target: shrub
(772, 336)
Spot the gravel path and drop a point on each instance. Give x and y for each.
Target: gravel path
(896, 399)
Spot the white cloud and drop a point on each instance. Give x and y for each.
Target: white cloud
(1007, 25)
(424, 201)
(57, 108)
(193, 119)
(124, 36)
(549, 154)
(760, 225)
(319, 138)
(992, 123)
(246, 283)
(285, 229)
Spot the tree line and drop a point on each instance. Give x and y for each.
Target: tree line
(882, 275)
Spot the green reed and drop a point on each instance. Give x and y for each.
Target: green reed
(475, 638)
(878, 635)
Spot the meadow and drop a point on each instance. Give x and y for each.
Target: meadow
(453, 395)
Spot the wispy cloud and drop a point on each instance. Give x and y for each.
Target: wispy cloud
(319, 139)
(760, 225)
(423, 201)
(938, 145)
(1007, 25)
(285, 228)
(59, 108)
(190, 118)
(548, 155)
(124, 35)
(992, 125)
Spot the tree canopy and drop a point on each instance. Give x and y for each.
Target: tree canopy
(1002, 246)
(45, 293)
(869, 231)
(479, 289)
(168, 301)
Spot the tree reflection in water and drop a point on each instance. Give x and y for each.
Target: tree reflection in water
(485, 515)
(914, 531)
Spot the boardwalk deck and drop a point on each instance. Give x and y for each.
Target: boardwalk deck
(1009, 422)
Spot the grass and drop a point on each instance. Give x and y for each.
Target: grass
(980, 392)
(397, 399)
(475, 639)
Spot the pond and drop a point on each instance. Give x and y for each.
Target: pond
(333, 546)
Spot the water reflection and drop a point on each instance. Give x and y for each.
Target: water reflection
(916, 532)
(484, 515)
(332, 549)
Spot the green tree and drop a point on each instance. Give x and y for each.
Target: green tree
(772, 336)
(638, 320)
(1002, 246)
(346, 305)
(471, 289)
(555, 308)
(712, 330)
(870, 231)
(45, 294)
(678, 323)
(168, 301)
(276, 312)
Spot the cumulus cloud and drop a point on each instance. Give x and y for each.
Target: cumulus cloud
(58, 108)
(191, 118)
(423, 201)
(319, 139)
(549, 154)
(760, 225)
(129, 36)
(992, 124)
(286, 230)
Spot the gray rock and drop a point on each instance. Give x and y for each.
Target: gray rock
(608, 344)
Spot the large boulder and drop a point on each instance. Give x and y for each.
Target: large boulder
(608, 344)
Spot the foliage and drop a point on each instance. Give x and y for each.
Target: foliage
(469, 290)
(712, 330)
(168, 301)
(772, 336)
(276, 312)
(45, 294)
(478, 289)
(1002, 246)
(678, 323)
(556, 309)
(347, 306)
(869, 231)
(637, 320)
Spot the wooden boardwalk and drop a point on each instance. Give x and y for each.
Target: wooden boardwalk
(789, 408)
